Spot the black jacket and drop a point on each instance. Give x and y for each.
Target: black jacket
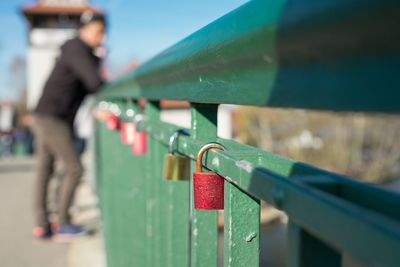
(76, 74)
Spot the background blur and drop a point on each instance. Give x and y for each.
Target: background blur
(364, 147)
(137, 30)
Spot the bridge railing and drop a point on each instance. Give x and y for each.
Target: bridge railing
(326, 55)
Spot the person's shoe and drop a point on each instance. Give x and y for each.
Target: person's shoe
(66, 233)
(42, 233)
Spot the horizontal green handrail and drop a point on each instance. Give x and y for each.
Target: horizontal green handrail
(338, 55)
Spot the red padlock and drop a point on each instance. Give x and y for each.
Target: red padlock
(208, 187)
(128, 130)
(139, 146)
(113, 122)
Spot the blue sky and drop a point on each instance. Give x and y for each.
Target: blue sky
(138, 29)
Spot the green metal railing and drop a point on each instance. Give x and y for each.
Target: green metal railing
(332, 55)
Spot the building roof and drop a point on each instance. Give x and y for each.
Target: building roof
(42, 9)
(174, 104)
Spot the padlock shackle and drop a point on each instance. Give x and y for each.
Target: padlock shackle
(173, 137)
(138, 118)
(130, 113)
(114, 109)
(203, 150)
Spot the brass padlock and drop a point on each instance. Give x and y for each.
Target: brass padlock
(176, 167)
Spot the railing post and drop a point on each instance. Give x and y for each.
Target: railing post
(241, 228)
(120, 176)
(204, 231)
(304, 250)
(153, 179)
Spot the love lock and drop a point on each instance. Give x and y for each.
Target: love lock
(113, 122)
(208, 187)
(139, 146)
(128, 130)
(176, 167)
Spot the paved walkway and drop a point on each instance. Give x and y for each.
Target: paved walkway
(17, 248)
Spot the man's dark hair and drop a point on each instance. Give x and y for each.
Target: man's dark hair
(88, 17)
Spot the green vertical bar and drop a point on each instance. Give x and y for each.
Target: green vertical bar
(178, 224)
(100, 186)
(204, 231)
(153, 192)
(123, 200)
(96, 151)
(107, 188)
(304, 250)
(162, 205)
(241, 228)
(108, 207)
(169, 209)
(158, 195)
(135, 206)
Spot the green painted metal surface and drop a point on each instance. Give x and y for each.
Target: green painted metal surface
(239, 166)
(242, 228)
(334, 54)
(339, 55)
(122, 200)
(204, 232)
(306, 250)
(337, 207)
(153, 198)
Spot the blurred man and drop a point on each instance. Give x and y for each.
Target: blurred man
(76, 74)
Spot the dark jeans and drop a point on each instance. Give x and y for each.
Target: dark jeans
(54, 142)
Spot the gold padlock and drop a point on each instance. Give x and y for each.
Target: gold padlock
(176, 167)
